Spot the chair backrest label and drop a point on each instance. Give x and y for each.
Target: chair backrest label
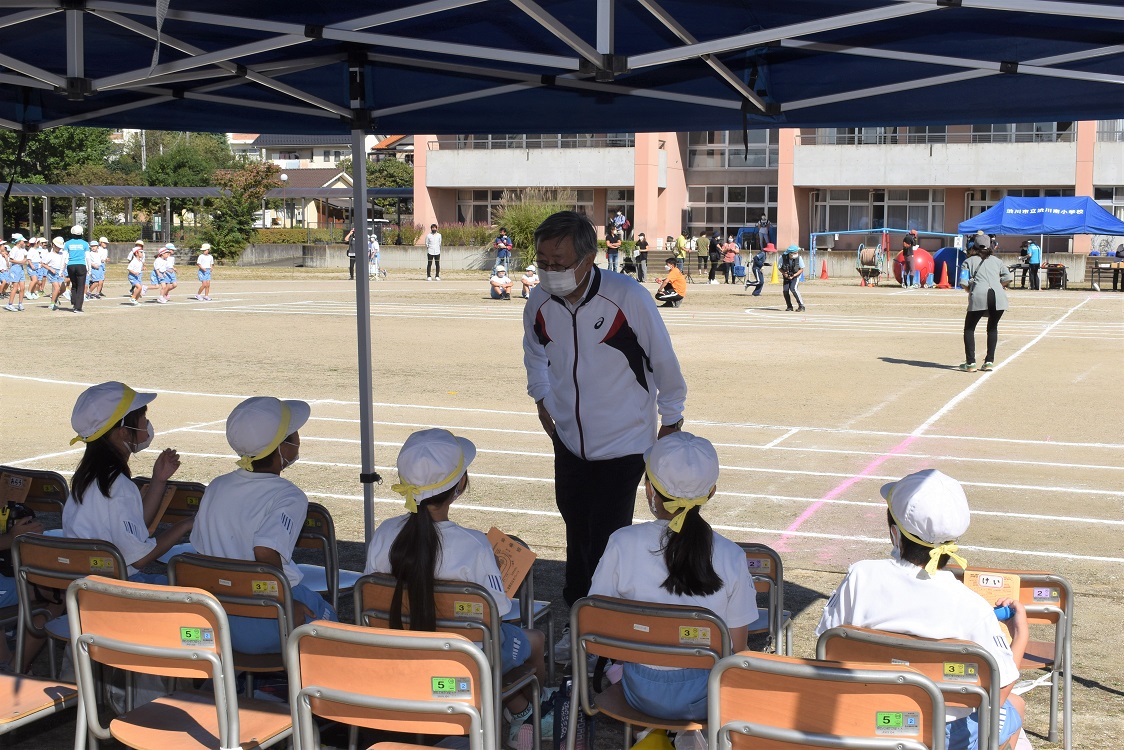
(1046, 594)
(897, 723)
(958, 671)
(468, 610)
(762, 563)
(264, 587)
(197, 637)
(451, 687)
(101, 563)
(689, 635)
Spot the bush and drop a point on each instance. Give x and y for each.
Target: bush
(297, 235)
(410, 234)
(628, 247)
(114, 232)
(465, 235)
(522, 212)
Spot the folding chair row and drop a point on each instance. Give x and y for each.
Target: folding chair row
(48, 491)
(767, 570)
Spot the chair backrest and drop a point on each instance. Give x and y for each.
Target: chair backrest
(160, 630)
(48, 491)
(319, 533)
(1047, 597)
(765, 702)
(966, 674)
(244, 588)
(466, 609)
(427, 683)
(767, 569)
(181, 500)
(664, 635)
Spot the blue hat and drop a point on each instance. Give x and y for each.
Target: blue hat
(792, 249)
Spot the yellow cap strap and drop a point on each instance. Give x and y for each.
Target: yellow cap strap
(247, 462)
(944, 548)
(411, 491)
(117, 415)
(677, 505)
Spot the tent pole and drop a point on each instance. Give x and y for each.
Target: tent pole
(368, 477)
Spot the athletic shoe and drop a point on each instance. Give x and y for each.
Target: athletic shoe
(987, 367)
(716, 281)
(429, 278)
(144, 290)
(77, 311)
(134, 302)
(788, 309)
(162, 300)
(562, 647)
(66, 295)
(195, 297)
(208, 299)
(801, 309)
(968, 367)
(520, 730)
(19, 307)
(52, 306)
(11, 308)
(436, 278)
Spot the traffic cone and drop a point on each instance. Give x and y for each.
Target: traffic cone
(862, 280)
(944, 278)
(776, 279)
(823, 271)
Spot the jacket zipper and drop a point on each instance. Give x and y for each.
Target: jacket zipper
(577, 391)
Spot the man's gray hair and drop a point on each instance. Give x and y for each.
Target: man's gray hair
(569, 224)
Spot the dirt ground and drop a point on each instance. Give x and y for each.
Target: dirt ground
(810, 413)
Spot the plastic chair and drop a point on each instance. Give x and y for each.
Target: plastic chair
(48, 562)
(767, 569)
(466, 609)
(48, 492)
(319, 533)
(664, 635)
(169, 632)
(1048, 599)
(245, 589)
(769, 701)
(182, 503)
(425, 683)
(966, 674)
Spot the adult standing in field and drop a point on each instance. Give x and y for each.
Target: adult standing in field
(987, 278)
(762, 232)
(641, 257)
(702, 247)
(75, 249)
(600, 367)
(350, 253)
(433, 254)
(909, 244)
(792, 271)
(613, 249)
(1034, 263)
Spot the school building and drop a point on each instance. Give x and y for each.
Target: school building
(805, 180)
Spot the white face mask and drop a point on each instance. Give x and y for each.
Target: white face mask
(651, 496)
(138, 447)
(560, 283)
(286, 464)
(895, 540)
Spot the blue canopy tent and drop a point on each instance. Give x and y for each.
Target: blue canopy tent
(447, 66)
(1044, 216)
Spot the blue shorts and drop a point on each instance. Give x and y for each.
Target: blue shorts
(170, 277)
(34, 272)
(97, 274)
(134, 279)
(964, 734)
(205, 275)
(8, 597)
(515, 649)
(15, 274)
(154, 278)
(250, 635)
(666, 693)
(4, 277)
(55, 278)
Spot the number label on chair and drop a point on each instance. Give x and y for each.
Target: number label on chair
(1046, 594)
(268, 588)
(958, 671)
(759, 564)
(313, 523)
(468, 610)
(897, 723)
(197, 637)
(192, 500)
(451, 687)
(690, 635)
(101, 563)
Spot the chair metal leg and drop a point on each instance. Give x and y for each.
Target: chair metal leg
(550, 650)
(628, 736)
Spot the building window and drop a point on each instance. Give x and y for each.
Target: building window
(843, 210)
(729, 208)
(479, 206)
(1024, 132)
(326, 152)
(1110, 130)
(619, 200)
(286, 156)
(725, 149)
(541, 140)
(1111, 199)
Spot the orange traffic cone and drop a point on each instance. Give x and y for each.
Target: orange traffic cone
(862, 280)
(944, 279)
(823, 273)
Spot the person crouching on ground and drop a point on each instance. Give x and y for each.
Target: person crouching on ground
(530, 280)
(677, 559)
(253, 514)
(500, 284)
(423, 546)
(672, 289)
(912, 593)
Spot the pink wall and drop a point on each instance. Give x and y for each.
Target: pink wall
(1083, 175)
(790, 228)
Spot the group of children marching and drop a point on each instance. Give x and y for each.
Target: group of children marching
(36, 267)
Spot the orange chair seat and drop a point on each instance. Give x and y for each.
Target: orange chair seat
(22, 696)
(192, 713)
(1038, 655)
(612, 703)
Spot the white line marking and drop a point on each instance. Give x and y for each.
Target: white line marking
(783, 437)
(79, 449)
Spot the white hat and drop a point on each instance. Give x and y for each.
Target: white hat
(683, 468)
(76, 230)
(530, 267)
(500, 268)
(258, 425)
(57, 242)
(102, 407)
(430, 462)
(17, 237)
(929, 508)
(205, 246)
(103, 239)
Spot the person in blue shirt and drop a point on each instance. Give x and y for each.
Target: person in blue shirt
(75, 250)
(503, 246)
(1033, 254)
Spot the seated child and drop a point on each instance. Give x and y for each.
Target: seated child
(424, 546)
(911, 593)
(677, 559)
(253, 514)
(500, 284)
(530, 280)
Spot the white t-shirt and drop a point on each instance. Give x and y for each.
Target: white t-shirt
(159, 265)
(466, 555)
(171, 261)
(901, 597)
(136, 262)
(118, 519)
(433, 243)
(205, 261)
(93, 259)
(34, 254)
(633, 568)
(242, 510)
(4, 265)
(16, 253)
(55, 261)
(503, 281)
(531, 281)
(103, 253)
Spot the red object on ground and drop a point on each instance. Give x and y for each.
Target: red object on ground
(944, 278)
(922, 261)
(823, 273)
(862, 280)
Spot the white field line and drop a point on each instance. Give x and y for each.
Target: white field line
(781, 439)
(79, 449)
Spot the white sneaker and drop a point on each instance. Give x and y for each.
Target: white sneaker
(713, 282)
(436, 278)
(562, 647)
(162, 300)
(429, 278)
(11, 308)
(66, 295)
(144, 289)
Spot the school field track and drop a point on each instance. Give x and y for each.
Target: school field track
(811, 413)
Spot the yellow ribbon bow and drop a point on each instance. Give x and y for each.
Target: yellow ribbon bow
(411, 491)
(944, 548)
(677, 505)
(118, 414)
(247, 462)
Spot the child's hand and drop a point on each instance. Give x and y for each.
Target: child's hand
(26, 526)
(167, 464)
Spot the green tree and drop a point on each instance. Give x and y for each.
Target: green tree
(232, 217)
(386, 173)
(521, 213)
(189, 161)
(45, 158)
